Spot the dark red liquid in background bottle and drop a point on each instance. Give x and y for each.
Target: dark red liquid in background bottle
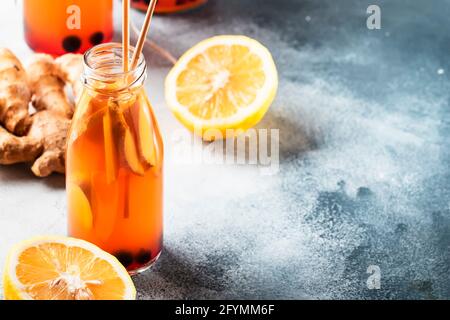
(168, 6)
(61, 26)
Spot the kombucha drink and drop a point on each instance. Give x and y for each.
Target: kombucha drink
(168, 6)
(61, 26)
(114, 177)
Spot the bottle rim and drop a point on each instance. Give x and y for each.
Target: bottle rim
(103, 64)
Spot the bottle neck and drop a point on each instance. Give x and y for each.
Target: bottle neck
(103, 71)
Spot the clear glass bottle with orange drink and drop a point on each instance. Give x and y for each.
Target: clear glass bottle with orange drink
(114, 169)
(168, 6)
(61, 26)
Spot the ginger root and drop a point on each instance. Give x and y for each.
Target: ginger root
(69, 69)
(18, 149)
(51, 129)
(143, 125)
(48, 88)
(121, 142)
(45, 144)
(14, 91)
(127, 145)
(39, 138)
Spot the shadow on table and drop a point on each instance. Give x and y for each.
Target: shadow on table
(294, 137)
(275, 140)
(22, 173)
(173, 274)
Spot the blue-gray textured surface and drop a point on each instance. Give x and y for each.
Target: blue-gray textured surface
(364, 161)
(364, 176)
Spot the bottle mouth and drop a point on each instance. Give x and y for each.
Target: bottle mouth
(103, 64)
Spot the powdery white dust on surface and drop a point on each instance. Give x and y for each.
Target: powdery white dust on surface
(364, 171)
(362, 130)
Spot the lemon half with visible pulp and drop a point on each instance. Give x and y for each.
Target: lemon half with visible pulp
(61, 268)
(225, 82)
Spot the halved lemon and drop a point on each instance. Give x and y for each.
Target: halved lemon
(225, 82)
(61, 268)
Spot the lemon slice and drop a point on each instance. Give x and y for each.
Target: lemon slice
(60, 268)
(225, 82)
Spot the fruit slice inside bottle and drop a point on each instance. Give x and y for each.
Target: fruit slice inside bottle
(117, 166)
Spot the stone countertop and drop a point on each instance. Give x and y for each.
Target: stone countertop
(363, 177)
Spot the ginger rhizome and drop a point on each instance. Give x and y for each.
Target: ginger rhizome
(123, 141)
(137, 138)
(44, 143)
(47, 87)
(14, 91)
(15, 149)
(69, 70)
(51, 128)
(38, 138)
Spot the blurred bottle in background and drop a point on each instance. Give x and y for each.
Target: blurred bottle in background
(61, 26)
(168, 6)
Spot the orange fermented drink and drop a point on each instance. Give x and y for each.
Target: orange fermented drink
(60, 26)
(114, 175)
(168, 6)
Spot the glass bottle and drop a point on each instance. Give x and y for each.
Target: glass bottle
(114, 169)
(168, 6)
(61, 26)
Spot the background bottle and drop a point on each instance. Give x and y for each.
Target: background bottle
(168, 6)
(62, 26)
